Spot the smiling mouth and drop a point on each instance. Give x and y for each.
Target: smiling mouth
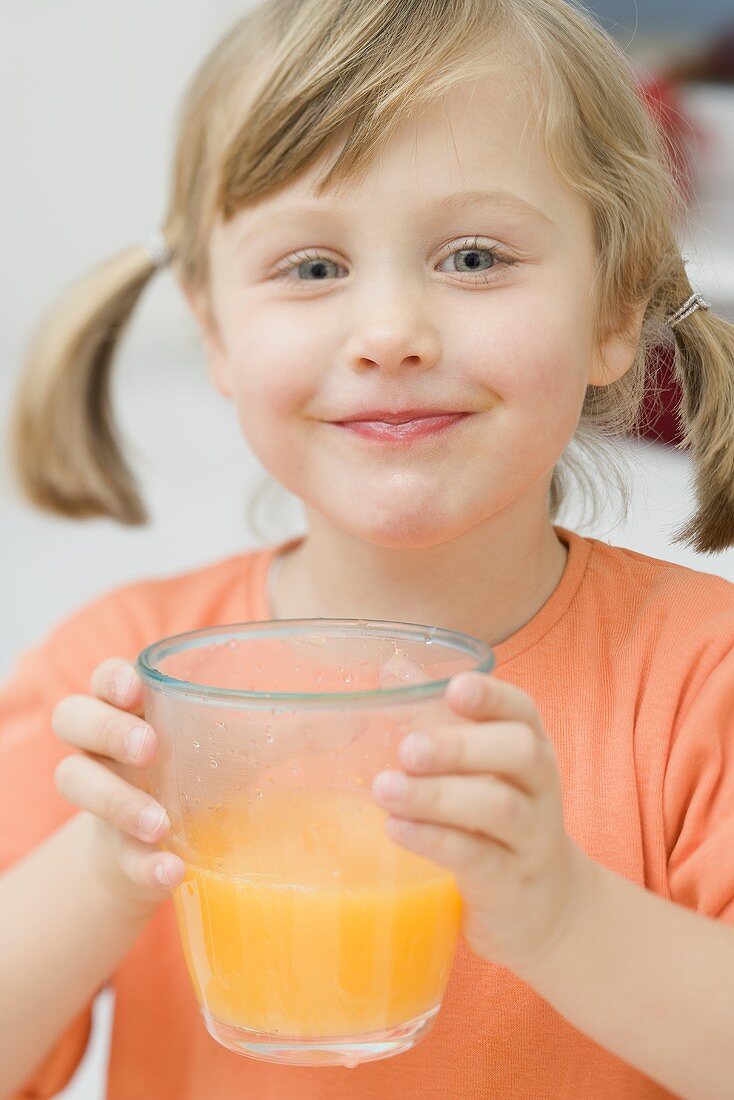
(402, 428)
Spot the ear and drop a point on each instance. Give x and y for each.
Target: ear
(618, 353)
(216, 356)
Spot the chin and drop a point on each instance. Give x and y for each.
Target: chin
(409, 530)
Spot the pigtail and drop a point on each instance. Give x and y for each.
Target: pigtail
(704, 364)
(64, 445)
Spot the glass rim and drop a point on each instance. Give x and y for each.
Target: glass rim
(192, 639)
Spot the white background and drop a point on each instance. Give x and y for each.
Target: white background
(86, 131)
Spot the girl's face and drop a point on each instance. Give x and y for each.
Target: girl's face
(454, 277)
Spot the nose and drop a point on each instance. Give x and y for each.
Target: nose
(392, 336)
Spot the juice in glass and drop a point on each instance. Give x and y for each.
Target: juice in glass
(302, 918)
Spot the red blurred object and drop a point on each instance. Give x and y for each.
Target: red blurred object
(710, 62)
(682, 137)
(657, 420)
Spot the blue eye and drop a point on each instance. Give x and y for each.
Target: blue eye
(310, 263)
(474, 258)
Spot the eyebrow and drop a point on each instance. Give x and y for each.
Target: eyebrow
(444, 204)
(502, 199)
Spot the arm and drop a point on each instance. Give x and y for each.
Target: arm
(649, 980)
(62, 932)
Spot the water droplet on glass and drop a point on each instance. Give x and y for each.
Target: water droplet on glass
(294, 769)
(232, 643)
(269, 738)
(218, 861)
(222, 725)
(213, 764)
(196, 744)
(346, 678)
(258, 792)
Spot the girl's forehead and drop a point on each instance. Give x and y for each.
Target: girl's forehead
(479, 144)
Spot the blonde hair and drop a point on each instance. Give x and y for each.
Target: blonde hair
(336, 68)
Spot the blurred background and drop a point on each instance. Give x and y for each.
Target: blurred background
(89, 94)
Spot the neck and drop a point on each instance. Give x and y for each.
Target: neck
(488, 583)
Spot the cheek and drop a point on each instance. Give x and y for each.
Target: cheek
(274, 376)
(537, 366)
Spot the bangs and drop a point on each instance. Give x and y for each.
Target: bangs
(354, 90)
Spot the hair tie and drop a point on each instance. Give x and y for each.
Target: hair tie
(691, 304)
(157, 248)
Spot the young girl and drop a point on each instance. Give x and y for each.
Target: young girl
(428, 245)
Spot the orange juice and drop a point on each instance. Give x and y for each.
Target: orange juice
(300, 917)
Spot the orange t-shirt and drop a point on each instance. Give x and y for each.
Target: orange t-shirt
(631, 665)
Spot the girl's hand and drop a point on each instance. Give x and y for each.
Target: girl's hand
(483, 799)
(114, 740)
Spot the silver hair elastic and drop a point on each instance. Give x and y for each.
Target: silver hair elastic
(691, 304)
(157, 248)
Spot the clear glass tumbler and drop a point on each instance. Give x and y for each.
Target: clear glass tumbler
(310, 937)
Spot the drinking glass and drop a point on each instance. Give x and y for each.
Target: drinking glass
(310, 937)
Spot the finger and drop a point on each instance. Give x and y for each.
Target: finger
(91, 786)
(483, 697)
(161, 870)
(509, 750)
(116, 681)
(478, 804)
(90, 724)
(474, 860)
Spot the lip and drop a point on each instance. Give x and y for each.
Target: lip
(398, 416)
(402, 430)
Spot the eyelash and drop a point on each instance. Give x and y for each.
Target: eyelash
(469, 244)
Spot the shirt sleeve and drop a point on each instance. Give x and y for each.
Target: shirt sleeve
(699, 798)
(30, 806)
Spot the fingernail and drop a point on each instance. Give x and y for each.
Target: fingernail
(471, 690)
(123, 684)
(135, 741)
(161, 873)
(151, 820)
(390, 785)
(164, 875)
(417, 749)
